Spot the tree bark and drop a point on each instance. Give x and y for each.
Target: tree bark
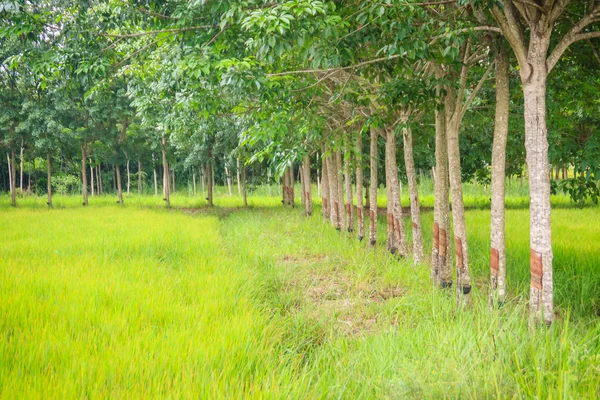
(228, 180)
(340, 188)
(359, 188)
(373, 188)
(441, 271)
(325, 197)
(49, 179)
(348, 182)
(463, 278)
(128, 178)
(119, 188)
(155, 177)
(99, 179)
(415, 209)
(21, 167)
(84, 174)
(498, 242)
(291, 186)
(210, 183)
(244, 190)
(140, 188)
(307, 190)
(194, 181)
(92, 179)
(238, 177)
(12, 178)
(333, 191)
(172, 187)
(536, 146)
(396, 242)
(166, 187)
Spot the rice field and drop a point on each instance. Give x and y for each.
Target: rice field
(143, 302)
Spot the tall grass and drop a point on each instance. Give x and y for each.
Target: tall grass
(143, 302)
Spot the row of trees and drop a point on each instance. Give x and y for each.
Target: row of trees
(327, 87)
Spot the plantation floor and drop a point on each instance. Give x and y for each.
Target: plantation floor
(133, 302)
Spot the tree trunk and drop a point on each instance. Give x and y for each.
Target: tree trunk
(119, 188)
(166, 188)
(334, 214)
(359, 188)
(244, 190)
(373, 189)
(306, 180)
(325, 197)
(463, 278)
(140, 188)
(238, 177)
(99, 179)
(13, 178)
(348, 182)
(302, 188)
(340, 188)
(194, 181)
(210, 183)
(172, 188)
(92, 179)
(415, 209)
(228, 180)
(155, 177)
(441, 271)
(396, 242)
(84, 174)
(21, 167)
(498, 243)
(128, 177)
(291, 186)
(536, 146)
(49, 183)
(269, 181)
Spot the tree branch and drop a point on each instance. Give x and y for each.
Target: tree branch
(574, 35)
(174, 30)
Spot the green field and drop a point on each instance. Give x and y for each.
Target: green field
(143, 302)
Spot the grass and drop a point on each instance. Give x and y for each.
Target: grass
(139, 301)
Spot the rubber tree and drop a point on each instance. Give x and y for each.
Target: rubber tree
(528, 27)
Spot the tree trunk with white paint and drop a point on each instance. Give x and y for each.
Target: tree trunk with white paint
(498, 241)
(119, 188)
